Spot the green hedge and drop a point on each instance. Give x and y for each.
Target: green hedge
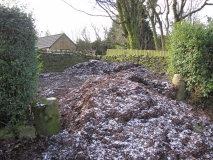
(59, 62)
(18, 65)
(191, 55)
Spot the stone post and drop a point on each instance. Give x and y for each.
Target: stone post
(46, 116)
(181, 85)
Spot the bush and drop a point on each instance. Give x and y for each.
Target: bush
(191, 55)
(18, 64)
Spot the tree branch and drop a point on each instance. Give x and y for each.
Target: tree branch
(99, 2)
(183, 3)
(84, 11)
(108, 12)
(201, 7)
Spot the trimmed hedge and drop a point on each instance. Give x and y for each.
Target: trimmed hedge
(191, 55)
(59, 62)
(19, 67)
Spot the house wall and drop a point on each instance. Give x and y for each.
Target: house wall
(63, 43)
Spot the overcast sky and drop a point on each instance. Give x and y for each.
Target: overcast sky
(56, 16)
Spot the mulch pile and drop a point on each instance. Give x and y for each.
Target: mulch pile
(122, 111)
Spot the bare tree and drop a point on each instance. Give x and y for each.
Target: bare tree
(75, 35)
(166, 22)
(85, 34)
(47, 32)
(96, 31)
(183, 8)
(109, 6)
(154, 11)
(150, 10)
(105, 32)
(163, 14)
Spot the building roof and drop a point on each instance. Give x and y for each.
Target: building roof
(48, 41)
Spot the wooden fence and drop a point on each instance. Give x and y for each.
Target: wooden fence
(113, 52)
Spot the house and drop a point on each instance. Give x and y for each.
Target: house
(56, 42)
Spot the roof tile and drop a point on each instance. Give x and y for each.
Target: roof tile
(48, 41)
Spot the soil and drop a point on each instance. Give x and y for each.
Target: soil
(117, 111)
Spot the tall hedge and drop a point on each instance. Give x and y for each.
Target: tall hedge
(191, 55)
(18, 64)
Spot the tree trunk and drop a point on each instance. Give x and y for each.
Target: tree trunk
(161, 34)
(154, 33)
(151, 11)
(128, 16)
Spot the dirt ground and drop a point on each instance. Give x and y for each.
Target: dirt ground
(116, 111)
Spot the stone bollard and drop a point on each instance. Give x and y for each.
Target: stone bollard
(46, 116)
(181, 85)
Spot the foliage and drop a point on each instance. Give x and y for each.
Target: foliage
(19, 67)
(100, 47)
(115, 37)
(191, 55)
(146, 36)
(84, 45)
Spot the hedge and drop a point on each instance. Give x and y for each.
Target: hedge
(19, 67)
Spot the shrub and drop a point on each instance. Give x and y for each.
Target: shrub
(18, 64)
(191, 55)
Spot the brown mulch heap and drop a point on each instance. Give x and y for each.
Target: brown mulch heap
(117, 111)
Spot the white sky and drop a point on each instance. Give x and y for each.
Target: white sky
(57, 17)
(207, 10)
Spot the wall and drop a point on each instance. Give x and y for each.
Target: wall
(64, 43)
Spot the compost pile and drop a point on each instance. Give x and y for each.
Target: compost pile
(123, 111)
(116, 111)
